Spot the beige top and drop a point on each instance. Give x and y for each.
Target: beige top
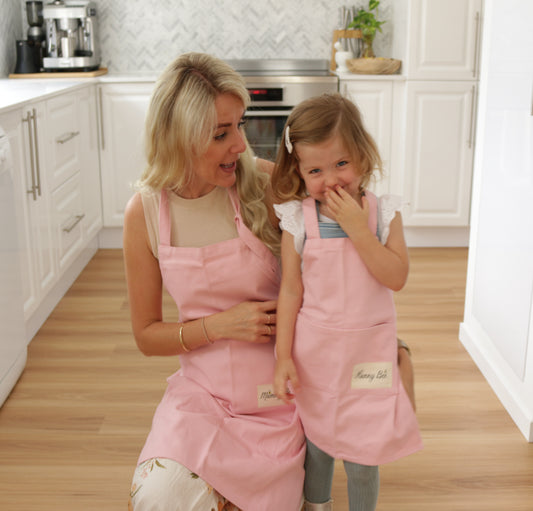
(195, 222)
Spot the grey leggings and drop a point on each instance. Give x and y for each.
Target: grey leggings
(363, 480)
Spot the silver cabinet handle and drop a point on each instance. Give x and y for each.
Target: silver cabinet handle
(33, 189)
(472, 117)
(101, 101)
(66, 137)
(476, 47)
(267, 113)
(36, 141)
(74, 223)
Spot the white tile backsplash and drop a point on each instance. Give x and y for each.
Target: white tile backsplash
(145, 35)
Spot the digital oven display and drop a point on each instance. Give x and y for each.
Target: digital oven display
(266, 94)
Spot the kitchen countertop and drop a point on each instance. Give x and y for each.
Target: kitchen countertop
(17, 92)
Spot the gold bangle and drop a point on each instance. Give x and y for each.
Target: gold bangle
(209, 341)
(185, 349)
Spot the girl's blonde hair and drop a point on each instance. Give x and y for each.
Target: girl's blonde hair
(180, 124)
(316, 120)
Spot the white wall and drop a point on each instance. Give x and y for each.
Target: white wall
(145, 35)
(498, 323)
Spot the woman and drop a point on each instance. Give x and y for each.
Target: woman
(203, 226)
(204, 197)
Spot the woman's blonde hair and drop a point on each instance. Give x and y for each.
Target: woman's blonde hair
(180, 125)
(316, 120)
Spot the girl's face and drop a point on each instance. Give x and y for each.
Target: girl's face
(328, 164)
(216, 167)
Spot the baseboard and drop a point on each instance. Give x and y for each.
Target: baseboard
(474, 340)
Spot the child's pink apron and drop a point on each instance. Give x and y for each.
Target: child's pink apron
(219, 417)
(352, 403)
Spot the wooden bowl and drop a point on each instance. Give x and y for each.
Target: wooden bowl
(373, 66)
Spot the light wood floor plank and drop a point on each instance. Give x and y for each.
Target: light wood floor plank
(74, 425)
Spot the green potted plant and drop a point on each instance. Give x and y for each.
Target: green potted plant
(366, 22)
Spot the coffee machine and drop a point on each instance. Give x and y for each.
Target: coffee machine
(71, 30)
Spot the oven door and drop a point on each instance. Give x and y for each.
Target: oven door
(264, 129)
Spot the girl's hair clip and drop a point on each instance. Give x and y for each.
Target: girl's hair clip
(288, 144)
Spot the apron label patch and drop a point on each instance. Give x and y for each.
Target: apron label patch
(266, 396)
(372, 375)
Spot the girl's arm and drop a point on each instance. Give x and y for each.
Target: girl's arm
(246, 321)
(388, 263)
(289, 303)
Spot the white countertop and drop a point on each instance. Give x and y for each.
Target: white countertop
(19, 91)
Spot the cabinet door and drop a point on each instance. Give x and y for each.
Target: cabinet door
(63, 137)
(374, 100)
(123, 109)
(90, 167)
(439, 153)
(445, 39)
(24, 129)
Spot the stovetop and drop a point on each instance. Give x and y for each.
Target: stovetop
(281, 67)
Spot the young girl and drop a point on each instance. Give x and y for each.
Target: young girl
(343, 254)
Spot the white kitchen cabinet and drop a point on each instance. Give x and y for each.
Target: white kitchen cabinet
(439, 142)
(54, 146)
(444, 39)
(90, 163)
(25, 129)
(123, 108)
(374, 98)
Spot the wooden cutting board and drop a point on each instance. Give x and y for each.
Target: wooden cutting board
(63, 74)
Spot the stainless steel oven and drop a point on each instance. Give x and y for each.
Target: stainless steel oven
(276, 86)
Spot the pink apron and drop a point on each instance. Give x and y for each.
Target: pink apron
(219, 417)
(352, 403)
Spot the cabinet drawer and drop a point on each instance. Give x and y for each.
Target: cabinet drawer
(63, 139)
(68, 215)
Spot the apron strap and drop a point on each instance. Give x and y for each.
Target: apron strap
(251, 241)
(310, 218)
(164, 219)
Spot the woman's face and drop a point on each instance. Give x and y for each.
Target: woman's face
(328, 164)
(216, 167)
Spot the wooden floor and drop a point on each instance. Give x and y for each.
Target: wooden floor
(73, 427)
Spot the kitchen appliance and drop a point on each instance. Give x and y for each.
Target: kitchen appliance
(30, 51)
(276, 86)
(13, 350)
(34, 15)
(71, 36)
(28, 58)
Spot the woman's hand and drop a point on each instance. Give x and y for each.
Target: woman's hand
(286, 382)
(247, 321)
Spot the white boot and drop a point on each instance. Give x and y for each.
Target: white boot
(326, 506)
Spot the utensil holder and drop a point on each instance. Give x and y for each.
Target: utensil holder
(342, 34)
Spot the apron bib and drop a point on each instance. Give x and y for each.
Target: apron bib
(219, 416)
(352, 403)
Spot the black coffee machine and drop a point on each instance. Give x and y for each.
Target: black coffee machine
(30, 51)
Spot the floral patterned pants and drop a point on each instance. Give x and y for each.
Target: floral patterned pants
(161, 484)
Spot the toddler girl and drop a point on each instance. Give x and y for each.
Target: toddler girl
(343, 254)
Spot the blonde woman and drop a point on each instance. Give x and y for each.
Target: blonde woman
(202, 226)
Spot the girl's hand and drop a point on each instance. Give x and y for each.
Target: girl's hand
(346, 211)
(285, 378)
(253, 322)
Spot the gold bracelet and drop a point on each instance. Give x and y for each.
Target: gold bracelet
(209, 341)
(185, 349)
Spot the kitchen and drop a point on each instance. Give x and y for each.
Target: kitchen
(128, 49)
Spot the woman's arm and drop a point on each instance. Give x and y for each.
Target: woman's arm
(388, 263)
(245, 321)
(289, 303)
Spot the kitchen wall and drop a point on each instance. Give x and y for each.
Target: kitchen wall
(144, 35)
